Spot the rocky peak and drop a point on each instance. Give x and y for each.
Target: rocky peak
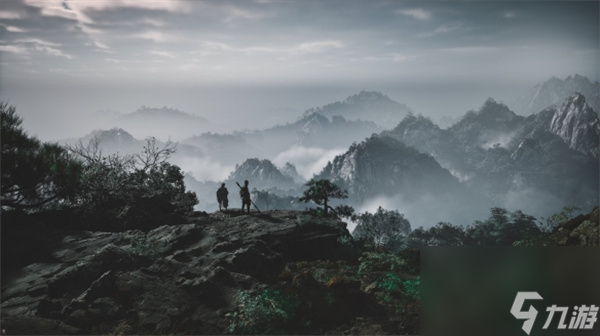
(366, 98)
(313, 123)
(415, 124)
(406, 170)
(481, 128)
(262, 174)
(531, 154)
(366, 105)
(577, 124)
(290, 170)
(493, 111)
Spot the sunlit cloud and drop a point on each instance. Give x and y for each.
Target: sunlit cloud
(234, 14)
(14, 29)
(416, 13)
(444, 29)
(394, 58)
(315, 47)
(312, 47)
(77, 9)
(30, 45)
(162, 53)
(19, 50)
(8, 15)
(156, 36)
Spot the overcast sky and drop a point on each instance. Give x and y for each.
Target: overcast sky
(231, 60)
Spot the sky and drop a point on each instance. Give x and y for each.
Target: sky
(252, 64)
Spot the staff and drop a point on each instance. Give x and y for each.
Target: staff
(248, 198)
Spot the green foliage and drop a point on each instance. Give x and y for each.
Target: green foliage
(267, 311)
(35, 175)
(562, 217)
(379, 262)
(399, 293)
(502, 228)
(385, 228)
(391, 283)
(321, 191)
(412, 288)
(144, 247)
(443, 234)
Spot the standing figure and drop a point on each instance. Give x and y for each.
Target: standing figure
(222, 197)
(245, 195)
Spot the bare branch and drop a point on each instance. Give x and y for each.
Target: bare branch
(153, 155)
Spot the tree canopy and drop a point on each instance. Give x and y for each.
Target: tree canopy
(321, 191)
(34, 174)
(383, 228)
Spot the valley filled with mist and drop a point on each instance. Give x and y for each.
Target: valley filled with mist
(537, 153)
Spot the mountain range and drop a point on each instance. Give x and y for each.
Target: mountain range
(491, 157)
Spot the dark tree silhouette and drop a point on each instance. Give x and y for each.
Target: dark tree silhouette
(321, 191)
(34, 174)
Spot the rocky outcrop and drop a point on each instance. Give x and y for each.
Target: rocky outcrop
(578, 125)
(531, 154)
(582, 230)
(173, 279)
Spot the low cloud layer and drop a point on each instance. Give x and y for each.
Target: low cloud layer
(308, 160)
(204, 169)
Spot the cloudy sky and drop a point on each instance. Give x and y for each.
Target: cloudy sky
(231, 61)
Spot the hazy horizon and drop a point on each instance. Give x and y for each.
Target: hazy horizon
(255, 64)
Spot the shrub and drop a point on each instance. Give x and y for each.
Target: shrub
(374, 263)
(384, 228)
(144, 247)
(131, 192)
(267, 311)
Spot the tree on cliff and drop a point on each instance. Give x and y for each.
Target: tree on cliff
(321, 191)
(34, 174)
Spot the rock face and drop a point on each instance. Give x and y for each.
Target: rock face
(407, 171)
(174, 279)
(262, 174)
(582, 230)
(578, 125)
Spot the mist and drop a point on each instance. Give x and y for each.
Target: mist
(309, 161)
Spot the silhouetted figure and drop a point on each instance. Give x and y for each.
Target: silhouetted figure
(245, 195)
(222, 197)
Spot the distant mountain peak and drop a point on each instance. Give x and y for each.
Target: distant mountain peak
(490, 113)
(494, 109)
(262, 175)
(554, 91)
(164, 111)
(368, 97)
(365, 105)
